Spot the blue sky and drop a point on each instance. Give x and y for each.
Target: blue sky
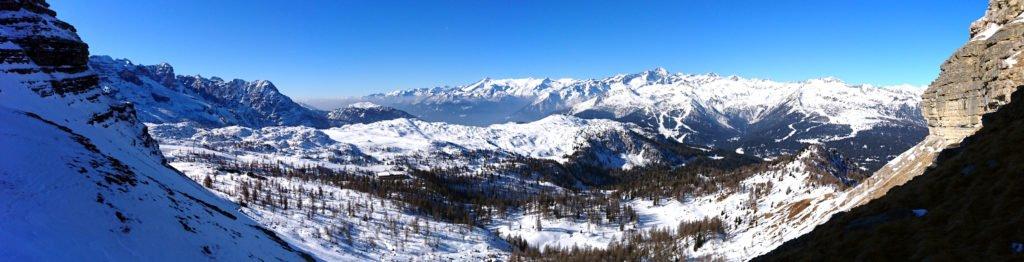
(319, 49)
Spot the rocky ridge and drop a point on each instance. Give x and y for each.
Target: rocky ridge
(161, 96)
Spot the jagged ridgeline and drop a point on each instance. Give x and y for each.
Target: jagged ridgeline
(79, 175)
(763, 118)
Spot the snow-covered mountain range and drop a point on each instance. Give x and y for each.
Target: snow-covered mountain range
(162, 96)
(759, 117)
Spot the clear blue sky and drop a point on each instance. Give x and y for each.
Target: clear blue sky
(317, 49)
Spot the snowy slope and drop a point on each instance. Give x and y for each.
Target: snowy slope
(377, 229)
(767, 118)
(384, 149)
(771, 204)
(556, 137)
(82, 179)
(559, 138)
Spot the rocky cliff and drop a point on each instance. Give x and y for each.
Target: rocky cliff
(958, 193)
(977, 79)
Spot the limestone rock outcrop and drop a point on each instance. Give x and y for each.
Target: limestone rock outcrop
(977, 79)
(965, 207)
(957, 193)
(31, 43)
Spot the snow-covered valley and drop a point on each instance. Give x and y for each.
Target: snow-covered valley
(527, 172)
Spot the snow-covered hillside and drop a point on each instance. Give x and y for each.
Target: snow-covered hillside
(335, 223)
(376, 223)
(768, 205)
(423, 145)
(80, 177)
(765, 118)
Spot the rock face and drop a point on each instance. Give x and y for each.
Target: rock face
(80, 177)
(33, 42)
(956, 194)
(977, 79)
(262, 103)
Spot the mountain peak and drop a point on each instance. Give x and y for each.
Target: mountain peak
(262, 84)
(659, 71)
(477, 85)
